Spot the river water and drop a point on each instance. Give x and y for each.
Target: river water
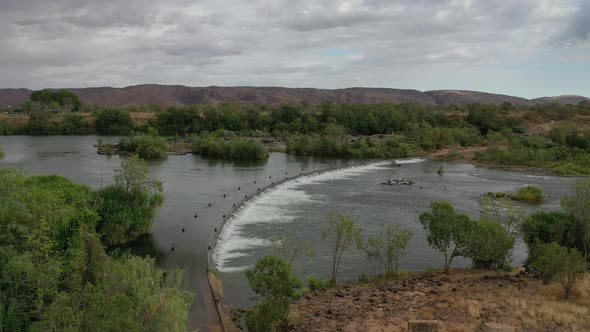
(296, 208)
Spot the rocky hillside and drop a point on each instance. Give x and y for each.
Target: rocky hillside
(179, 95)
(463, 301)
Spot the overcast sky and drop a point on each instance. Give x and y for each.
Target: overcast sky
(529, 48)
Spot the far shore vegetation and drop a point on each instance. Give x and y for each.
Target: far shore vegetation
(552, 136)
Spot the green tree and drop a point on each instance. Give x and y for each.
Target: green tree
(578, 204)
(56, 276)
(552, 260)
(2, 154)
(447, 231)
(275, 287)
(127, 208)
(545, 227)
(179, 121)
(111, 121)
(342, 236)
(546, 259)
(387, 247)
(489, 245)
(64, 99)
(129, 294)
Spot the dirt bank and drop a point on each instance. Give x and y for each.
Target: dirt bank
(462, 301)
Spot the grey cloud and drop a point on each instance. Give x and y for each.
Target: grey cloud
(579, 28)
(310, 22)
(319, 43)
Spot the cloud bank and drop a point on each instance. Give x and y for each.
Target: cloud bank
(525, 47)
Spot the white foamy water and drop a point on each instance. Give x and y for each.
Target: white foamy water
(410, 160)
(277, 205)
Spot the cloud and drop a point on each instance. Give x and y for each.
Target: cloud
(422, 44)
(579, 28)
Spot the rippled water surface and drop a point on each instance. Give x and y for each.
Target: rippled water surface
(297, 208)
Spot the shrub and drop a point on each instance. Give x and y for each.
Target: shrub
(110, 121)
(529, 194)
(267, 317)
(364, 278)
(554, 226)
(239, 149)
(571, 169)
(545, 262)
(315, 283)
(149, 146)
(318, 145)
(179, 121)
(554, 261)
(387, 248)
(275, 286)
(73, 124)
(127, 208)
(489, 245)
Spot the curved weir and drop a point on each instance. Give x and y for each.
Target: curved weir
(227, 240)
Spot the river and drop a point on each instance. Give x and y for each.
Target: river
(296, 208)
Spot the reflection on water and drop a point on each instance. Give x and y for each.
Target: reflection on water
(142, 246)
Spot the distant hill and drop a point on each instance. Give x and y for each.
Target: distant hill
(565, 99)
(178, 95)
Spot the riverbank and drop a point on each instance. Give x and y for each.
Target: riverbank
(465, 300)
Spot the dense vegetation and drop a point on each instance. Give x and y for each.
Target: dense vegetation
(332, 129)
(276, 287)
(236, 149)
(56, 275)
(148, 146)
(127, 208)
(113, 122)
(455, 234)
(53, 100)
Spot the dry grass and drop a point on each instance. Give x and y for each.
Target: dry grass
(548, 305)
(462, 301)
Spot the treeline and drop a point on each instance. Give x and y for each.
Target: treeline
(45, 123)
(56, 274)
(333, 129)
(558, 242)
(215, 146)
(357, 119)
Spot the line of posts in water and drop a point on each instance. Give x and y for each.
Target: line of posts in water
(183, 230)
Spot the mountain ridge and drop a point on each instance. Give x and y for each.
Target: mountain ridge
(180, 95)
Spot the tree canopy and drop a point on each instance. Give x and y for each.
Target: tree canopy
(56, 274)
(64, 99)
